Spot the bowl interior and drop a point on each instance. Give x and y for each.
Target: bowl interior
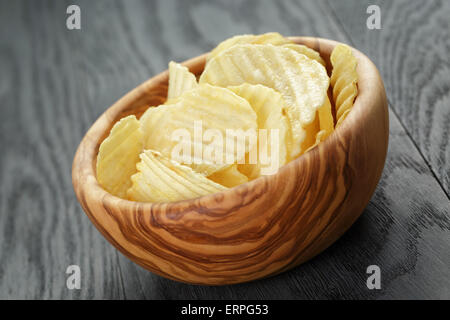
(154, 92)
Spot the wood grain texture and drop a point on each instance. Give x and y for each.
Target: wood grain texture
(70, 78)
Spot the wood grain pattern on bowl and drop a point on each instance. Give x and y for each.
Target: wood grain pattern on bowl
(257, 229)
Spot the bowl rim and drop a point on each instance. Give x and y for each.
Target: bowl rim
(87, 174)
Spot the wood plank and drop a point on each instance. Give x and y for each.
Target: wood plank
(411, 51)
(49, 98)
(67, 78)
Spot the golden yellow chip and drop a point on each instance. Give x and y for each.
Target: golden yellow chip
(302, 82)
(229, 177)
(311, 131)
(321, 135)
(342, 118)
(118, 155)
(208, 128)
(162, 180)
(326, 120)
(151, 119)
(271, 117)
(321, 128)
(273, 38)
(344, 79)
(251, 171)
(310, 53)
(180, 80)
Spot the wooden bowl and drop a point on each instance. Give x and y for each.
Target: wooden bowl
(257, 229)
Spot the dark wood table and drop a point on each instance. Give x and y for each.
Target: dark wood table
(55, 82)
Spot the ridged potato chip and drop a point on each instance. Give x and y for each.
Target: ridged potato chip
(302, 82)
(344, 79)
(271, 116)
(273, 38)
(151, 119)
(311, 131)
(180, 80)
(162, 180)
(208, 110)
(229, 177)
(321, 135)
(118, 155)
(326, 120)
(342, 118)
(310, 53)
(251, 171)
(320, 128)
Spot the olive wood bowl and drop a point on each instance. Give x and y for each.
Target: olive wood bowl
(257, 229)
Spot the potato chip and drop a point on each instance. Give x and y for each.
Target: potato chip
(321, 128)
(161, 180)
(302, 82)
(326, 120)
(344, 79)
(151, 119)
(199, 124)
(118, 155)
(270, 110)
(229, 177)
(342, 118)
(310, 53)
(251, 171)
(321, 135)
(180, 80)
(273, 38)
(311, 131)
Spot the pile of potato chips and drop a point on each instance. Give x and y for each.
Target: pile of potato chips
(271, 93)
